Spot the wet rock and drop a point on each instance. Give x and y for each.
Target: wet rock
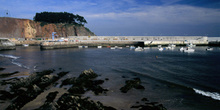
(85, 82)
(49, 104)
(9, 81)
(129, 84)
(76, 90)
(7, 74)
(123, 76)
(71, 102)
(51, 96)
(34, 78)
(68, 81)
(5, 95)
(88, 74)
(61, 74)
(149, 105)
(144, 99)
(27, 89)
(1, 69)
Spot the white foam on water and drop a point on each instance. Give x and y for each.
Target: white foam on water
(9, 56)
(213, 95)
(19, 64)
(13, 60)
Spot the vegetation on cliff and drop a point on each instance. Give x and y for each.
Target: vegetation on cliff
(60, 17)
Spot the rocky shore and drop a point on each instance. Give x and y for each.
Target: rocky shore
(22, 91)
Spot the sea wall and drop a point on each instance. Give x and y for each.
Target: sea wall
(148, 40)
(92, 41)
(56, 45)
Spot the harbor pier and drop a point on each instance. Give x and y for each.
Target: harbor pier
(92, 41)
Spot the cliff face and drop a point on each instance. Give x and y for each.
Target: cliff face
(24, 28)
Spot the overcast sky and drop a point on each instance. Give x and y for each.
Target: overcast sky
(129, 17)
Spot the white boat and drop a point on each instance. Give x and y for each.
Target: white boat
(189, 50)
(160, 49)
(80, 46)
(170, 48)
(138, 49)
(182, 49)
(119, 48)
(25, 45)
(85, 46)
(132, 47)
(112, 47)
(99, 47)
(209, 49)
(116, 47)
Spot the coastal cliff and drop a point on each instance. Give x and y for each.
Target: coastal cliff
(25, 28)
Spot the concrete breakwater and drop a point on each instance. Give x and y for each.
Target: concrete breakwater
(92, 41)
(56, 45)
(6, 44)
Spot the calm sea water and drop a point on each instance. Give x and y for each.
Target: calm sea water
(178, 80)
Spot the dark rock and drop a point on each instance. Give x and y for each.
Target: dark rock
(61, 74)
(88, 74)
(144, 99)
(71, 102)
(135, 83)
(6, 95)
(9, 81)
(1, 69)
(76, 90)
(84, 82)
(51, 96)
(27, 89)
(123, 76)
(68, 81)
(34, 78)
(106, 79)
(48, 106)
(7, 74)
(149, 106)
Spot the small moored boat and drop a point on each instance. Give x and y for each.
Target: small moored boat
(138, 49)
(209, 49)
(25, 45)
(189, 50)
(99, 47)
(160, 48)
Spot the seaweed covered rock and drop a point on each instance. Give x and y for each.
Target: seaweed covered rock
(135, 83)
(149, 105)
(34, 78)
(49, 104)
(26, 89)
(84, 82)
(2, 75)
(88, 74)
(71, 102)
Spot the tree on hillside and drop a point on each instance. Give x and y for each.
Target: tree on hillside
(60, 17)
